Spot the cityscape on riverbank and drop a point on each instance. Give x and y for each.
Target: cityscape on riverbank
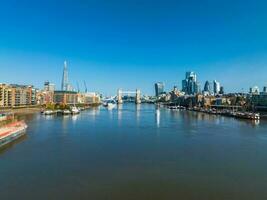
(133, 100)
(191, 95)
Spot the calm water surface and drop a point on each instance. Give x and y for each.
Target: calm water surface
(136, 153)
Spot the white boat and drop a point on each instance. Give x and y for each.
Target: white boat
(111, 106)
(75, 110)
(66, 112)
(105, 104)
(49, 112)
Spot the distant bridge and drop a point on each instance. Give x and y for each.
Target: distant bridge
(136, 92)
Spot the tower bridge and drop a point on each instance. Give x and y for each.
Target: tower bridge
(137, 93)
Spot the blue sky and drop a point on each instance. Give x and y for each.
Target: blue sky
(133, 44)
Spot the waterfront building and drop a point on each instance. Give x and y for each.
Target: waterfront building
(208, 101)
(159, 88)
(44, 97)
(65, 97)
(5, 96)
(216, 87)
(221, 101)
(13, 95)
(49, 86)
(190, 85)
(175, 93)
(92, 97)
(264, 89)
(259, 101)
(23, 95)
(34, 96)
(254, 90)
(88, 98)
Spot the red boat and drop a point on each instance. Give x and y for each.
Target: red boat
(12, 131)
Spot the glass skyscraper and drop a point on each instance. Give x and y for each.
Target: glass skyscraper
(190, 85)
(159, 88)
(207, 87)
(216, 87)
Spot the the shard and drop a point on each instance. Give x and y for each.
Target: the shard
(65, 79)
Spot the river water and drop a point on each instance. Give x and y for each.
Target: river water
(136, 153)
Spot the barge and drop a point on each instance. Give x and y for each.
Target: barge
(12, 131)
(229, 113)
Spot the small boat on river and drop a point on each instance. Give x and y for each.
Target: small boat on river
(11, 130)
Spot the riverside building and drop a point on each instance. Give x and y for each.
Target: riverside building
(14, 95)
(65, 97)
(258, 99)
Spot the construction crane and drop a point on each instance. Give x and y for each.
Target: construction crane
(85, 86)
(78, 88)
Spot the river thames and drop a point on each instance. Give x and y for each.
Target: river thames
(136, 153)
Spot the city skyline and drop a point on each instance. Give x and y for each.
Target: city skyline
(111, 46)
(66, 85)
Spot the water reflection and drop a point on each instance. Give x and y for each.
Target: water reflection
(157, 117)
(138, 112)
(119, 111)
(49, 117)
(93, 112)
(256, 122)
(74, 118)
(171, 150)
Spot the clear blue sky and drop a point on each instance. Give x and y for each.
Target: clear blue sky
(132, 44)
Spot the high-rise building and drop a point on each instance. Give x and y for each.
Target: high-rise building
(49, 86)
(207, 87)
(254, 90)
(216, 87)
(159, 88)
(221, 90)
(191, 75)
(65, 78)
(190, 84)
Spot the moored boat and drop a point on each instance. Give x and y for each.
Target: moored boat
(49, 112)
(109, 104)
(12, 131)
(66, 112)
(75, 110)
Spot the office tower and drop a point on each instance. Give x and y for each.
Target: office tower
(216, 87)
(189, 84)
(254, 90)
(207, 87)
(198, 88)
(221, 90)
(159, 88)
